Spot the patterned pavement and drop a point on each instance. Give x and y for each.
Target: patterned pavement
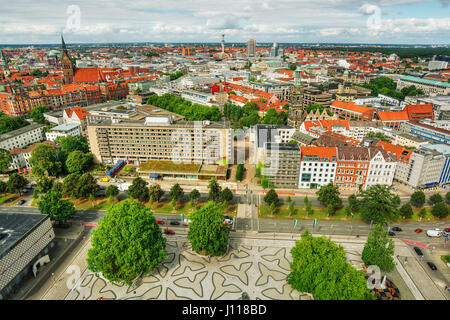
(259, 271)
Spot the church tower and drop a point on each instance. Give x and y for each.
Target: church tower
(67, 64)
(4, 65)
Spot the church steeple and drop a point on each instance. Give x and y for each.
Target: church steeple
(67, 63)
(4, 65)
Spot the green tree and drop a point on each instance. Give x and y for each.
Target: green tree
(406, 211)
(58, 210)
(239, 172)
(271, 197)
(353, 203)
(435, 198)
(214, 190)
(155, 192)
(3, 187)
(176, 192)
(91, 199)
(378, 204)
(194, 195)
(44, 159)
(447, 196)
(16, 183)
(70, 184)
(112, 191)
(291, 209)
(379, 249)
(423, 213)
(44, 184)
(8, 123)
(208, 234)
(440, 210)
(138, 190)
(37, 114)
(418, 198)
(319, 267)
(86, 186)
(5, 160)
(328, 195)
(127, 243)
(35, 194)
(306, 201)
(73, 143)
(226, 195)
(78, 162)
(57, 186)
(264, 182)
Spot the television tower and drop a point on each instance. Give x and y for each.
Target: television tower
(223, 44)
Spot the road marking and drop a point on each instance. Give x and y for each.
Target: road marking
(419, 244)
(90, 224)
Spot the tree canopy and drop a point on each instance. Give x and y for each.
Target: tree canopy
(138, 190)
(8, 123)
(191, 111)
(16, 183)
(328, 195)
(155, 192)
(319, 267)
(45, 161)
(271, 197)
(78, 162)
(86, 186)
(214, 190)
(73, 143)
(440, 210)
(176, 192)
(127, 243)
(379, 249)
(379, 204)
(37, 114)
(5, 160)
(52, 205)
(418, 198)
(208, 234)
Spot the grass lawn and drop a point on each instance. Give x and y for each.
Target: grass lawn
(185, 208)
(320, 213)
(282, 212)
(160, 207)
(6, 197)
(13, 202)
(445, 258)
(169, 166)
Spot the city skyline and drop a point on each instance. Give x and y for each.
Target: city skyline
(325, 21)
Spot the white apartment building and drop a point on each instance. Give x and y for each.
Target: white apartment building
(317, 167)
(22, 137)
(63, 130)
(382, 168)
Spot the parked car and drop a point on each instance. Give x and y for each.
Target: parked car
(418, 230)
(174, 222)
(101, 187)
(112, 180)
(392, 234)
(228, 220)
(418, 251)
(396, 229)
(432, 265)
(160, 221)
(447, 229)
(21, 202)
(168, 231)
(434, 233)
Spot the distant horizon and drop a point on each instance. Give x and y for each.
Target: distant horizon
(337, 44)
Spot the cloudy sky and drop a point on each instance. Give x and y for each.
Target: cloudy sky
(349, 21)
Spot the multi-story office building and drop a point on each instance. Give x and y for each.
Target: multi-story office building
(281, 164)
(317, 167)
(313, 95)
(22, 137)
(425, 168)
(159, 138)
(268, 133)
(445, 150)
(430, 133)
(429, 87)
(351, 111)
(24, 239)
(251, 48)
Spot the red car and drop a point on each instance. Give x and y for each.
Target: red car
(447, 229)
(168, 231)
(160, 221)
(418, 230)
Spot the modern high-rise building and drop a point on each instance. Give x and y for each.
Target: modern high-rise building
(251, 48)
(274, 50)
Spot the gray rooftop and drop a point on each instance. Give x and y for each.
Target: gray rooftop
(20, 131)
(65, 127)
(15, 226)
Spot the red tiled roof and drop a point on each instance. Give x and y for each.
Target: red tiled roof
(321, 152)
(401, 154)
(393, 115)
(351, 106)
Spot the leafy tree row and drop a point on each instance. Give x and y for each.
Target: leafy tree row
(8, 123)
(191, 111)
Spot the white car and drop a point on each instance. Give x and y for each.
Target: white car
(186, 222)
(228, 221)
(434, 233)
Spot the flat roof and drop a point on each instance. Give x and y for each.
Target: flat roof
(15, 226)
(425, 81)
(20, 131)
(65, 127)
